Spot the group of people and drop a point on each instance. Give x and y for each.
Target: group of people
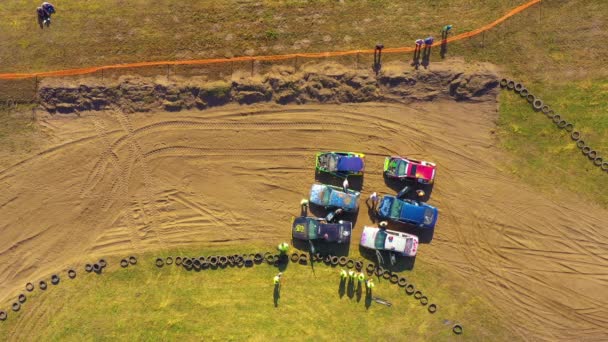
(428, 43)
(44, 13)
(360, 277)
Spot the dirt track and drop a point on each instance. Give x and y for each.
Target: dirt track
(113, 183)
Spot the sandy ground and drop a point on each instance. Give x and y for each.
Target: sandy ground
(111, 183)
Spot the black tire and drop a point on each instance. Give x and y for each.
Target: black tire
(202, 259)
(248, 263)
(510, 85)
(457, 329)
(319, 257)
(223, 260)
(178, 261)
(169, 260)
(213, 261)
(575, 135)
(3, 315)
(342, 261)
(96, 268)
(530, 98)
(204, 265)
(132, 260)
(187, 262)
(402, 281)
(592, 154)
(124, 263)
(42, 285)
(358, 265)
(524, 92)
(604, 166)
(334, 260)
(432, 308)
(598, 161)
(196, 264)
(258, 258)
(295, 257)
(538, 104)
(379, 271)
(562, 123)
(417, 294)
(569, 127)
(303, 259)
(410, 289)
(240, 263)
(350, 263)
(269, 257)
(160, 262)
(586, 150)
(71, 274)
(55, 279)
(580, 144)
(545, 109)
(370, 268)
(386, 275)
(327, 259)
(29, 287)
(231, 259)
(103, 263)
(424, 300)
(16, 306)
(394, 279)
(240, 258)
(518, 87)
(22, 298)
(503, 82)
(556, 118)
(88, 267)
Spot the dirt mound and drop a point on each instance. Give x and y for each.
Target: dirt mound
(325, 83)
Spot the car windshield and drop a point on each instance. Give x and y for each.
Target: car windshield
(408, 245)
(326, 195)
(313, 226)
(396, 208)
(380, 239)
(428, 216)
(401, 168)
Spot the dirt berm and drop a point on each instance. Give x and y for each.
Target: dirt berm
(326, 83)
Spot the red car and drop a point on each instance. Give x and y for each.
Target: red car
(421, 171)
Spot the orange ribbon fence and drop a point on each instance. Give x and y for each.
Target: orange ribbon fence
(89, 70)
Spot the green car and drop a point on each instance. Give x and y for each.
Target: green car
(341, 164)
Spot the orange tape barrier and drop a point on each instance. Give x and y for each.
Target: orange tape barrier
(83, 71)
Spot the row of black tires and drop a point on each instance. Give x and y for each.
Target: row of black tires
(215, 261)
(97, 267)
(559, 121)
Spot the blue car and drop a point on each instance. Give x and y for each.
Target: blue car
(407, 211)
(331, 197)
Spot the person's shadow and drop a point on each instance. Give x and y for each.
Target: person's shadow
(359, 292)
(351, 288)
(416, 60)
(368, 299)
(342, 288)
(277, 294)
(444, 45)
(426, 56)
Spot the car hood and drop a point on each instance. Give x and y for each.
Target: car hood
(368, 237)
(395, 243)
(304, 228)
(336, 232)
(317, 192)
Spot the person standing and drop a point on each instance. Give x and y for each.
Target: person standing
(345, 185)
(360, 277)
(283, 247)
(445, 31)
(417, 50)
(343, 275)
(374, 200)
(369, 284)
(277, 280)
(48, 9)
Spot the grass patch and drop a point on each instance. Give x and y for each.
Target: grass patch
(143, 302)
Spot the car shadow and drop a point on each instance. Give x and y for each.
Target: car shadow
(399, 184)
(354, 182)
(402, 263)
(425, 235)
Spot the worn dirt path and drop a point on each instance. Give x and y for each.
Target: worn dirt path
(113, 183)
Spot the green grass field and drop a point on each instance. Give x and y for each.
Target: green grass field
(143, 302)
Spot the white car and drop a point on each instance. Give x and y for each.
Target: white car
(389, 240)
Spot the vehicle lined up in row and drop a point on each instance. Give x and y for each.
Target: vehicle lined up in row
(341, 200)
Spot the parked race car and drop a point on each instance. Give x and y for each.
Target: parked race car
(340, 164)
(408, 211)
(330, 196)
(402, 168)
(312, 228)
(389, 240)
